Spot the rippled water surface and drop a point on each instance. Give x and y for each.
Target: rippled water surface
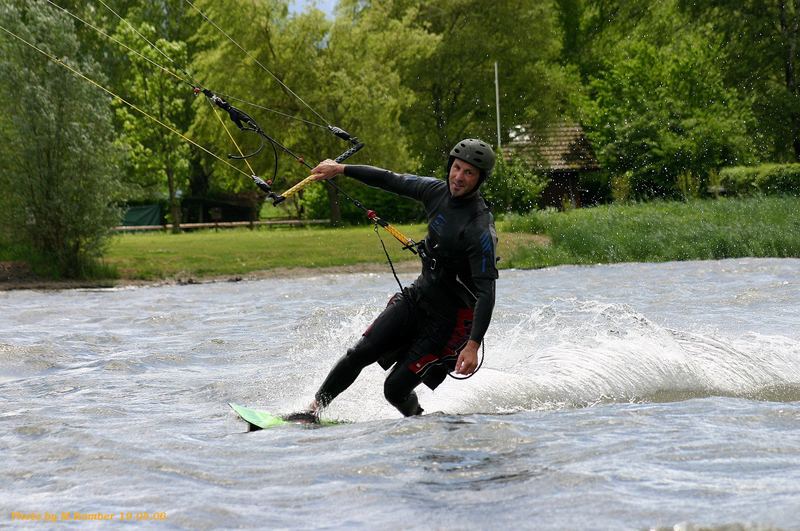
(612, 397)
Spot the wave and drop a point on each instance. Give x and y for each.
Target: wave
(575, 353)
(566, 354)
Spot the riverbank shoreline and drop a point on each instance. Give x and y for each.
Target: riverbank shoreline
(27, 281)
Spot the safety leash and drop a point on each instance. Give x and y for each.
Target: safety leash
(391, 264)
(480, 364)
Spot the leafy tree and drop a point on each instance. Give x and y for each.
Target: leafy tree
(237, 76)
(361, 86)
(345, 71)
(104, 30)
(454, 86)
(167, 17)
(286, 49)
(660, 107)
(157, 159)
(513, 186)
(57, 160)
(431, 65)
(593, 29)
(760, 57)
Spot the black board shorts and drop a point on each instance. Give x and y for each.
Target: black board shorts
(422, 339)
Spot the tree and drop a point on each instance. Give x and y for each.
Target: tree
(345, 72)
(513, 186)
(660, 108)
(760, 57)
(592, 29)
(362, 64)
(57, 159)
(156, 157)
(454, 86)
(287, 49)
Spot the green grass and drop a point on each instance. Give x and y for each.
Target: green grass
(662, 231)
(238, 251)
(162, 255)
(648, 232)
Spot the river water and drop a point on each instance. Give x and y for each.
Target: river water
(629, 396)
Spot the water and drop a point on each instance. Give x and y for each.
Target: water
(629, 396)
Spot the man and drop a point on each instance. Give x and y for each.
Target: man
(436, 325)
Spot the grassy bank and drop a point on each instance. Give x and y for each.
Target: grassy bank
(647, 232)
(661, 231)
(152, 256)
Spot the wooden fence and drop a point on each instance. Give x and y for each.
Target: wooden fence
(225, 225)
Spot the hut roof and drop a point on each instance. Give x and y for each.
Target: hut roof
(555, 148)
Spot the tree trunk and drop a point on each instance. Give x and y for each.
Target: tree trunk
(336, 211)
(175, 210)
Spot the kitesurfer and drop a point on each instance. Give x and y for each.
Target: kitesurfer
(437, 324)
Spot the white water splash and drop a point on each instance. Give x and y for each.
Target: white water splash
(576, 353)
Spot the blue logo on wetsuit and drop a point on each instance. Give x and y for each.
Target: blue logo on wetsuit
(437, 223)
(486, 245)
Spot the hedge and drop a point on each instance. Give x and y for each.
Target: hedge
(766, 179)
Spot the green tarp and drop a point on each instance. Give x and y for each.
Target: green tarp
(142, 215)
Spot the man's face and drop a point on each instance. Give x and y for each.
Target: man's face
(463, 178)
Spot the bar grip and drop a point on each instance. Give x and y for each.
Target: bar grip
(278, 199)
(293, 190)
(350, 152)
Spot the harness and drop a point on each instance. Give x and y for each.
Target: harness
(436, 264)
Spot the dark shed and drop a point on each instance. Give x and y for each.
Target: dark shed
(560, 151)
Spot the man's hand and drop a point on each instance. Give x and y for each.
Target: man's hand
(327, 169)
(467, 360)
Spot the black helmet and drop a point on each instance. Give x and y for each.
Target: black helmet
(476, 152)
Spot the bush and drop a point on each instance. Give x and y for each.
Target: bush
(596, 188)
(659, 112)
(57, 162)
(513, 187)
(766, 179)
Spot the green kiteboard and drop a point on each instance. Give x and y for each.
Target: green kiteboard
(259, 420)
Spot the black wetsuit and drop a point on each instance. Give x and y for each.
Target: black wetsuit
(422, 329)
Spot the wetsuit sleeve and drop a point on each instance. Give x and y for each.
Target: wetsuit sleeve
(484, 306)
(406, 185)
(483, 269)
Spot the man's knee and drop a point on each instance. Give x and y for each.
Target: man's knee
(404, 399)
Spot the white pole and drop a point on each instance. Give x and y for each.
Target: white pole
(497, 103)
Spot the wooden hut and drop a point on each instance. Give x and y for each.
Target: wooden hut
(560, 151)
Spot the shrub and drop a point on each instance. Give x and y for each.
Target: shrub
(659, 112)
(766, 179)
(57, 160)
(513, 186)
